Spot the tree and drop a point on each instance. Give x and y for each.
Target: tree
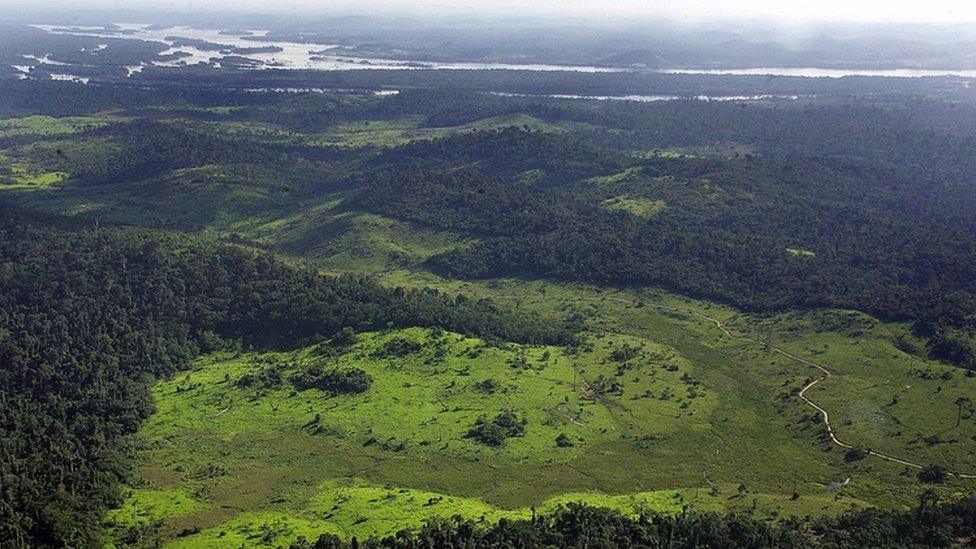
(961, 403)
(494, 432)
(929, 496)
(933, 474)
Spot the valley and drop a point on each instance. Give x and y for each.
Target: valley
(689, 409)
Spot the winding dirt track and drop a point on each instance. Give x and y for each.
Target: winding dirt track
(824, 371)
(825, 375)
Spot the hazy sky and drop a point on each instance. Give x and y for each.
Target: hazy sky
(947, 11)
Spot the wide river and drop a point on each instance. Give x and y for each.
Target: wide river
(814, 72)
(288, 55)
(320, 56)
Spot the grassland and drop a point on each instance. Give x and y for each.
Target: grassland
(397, 454)
(400, 131)
(266, 463)
(20, 173)
(45, 126)
(360, 133)
(640, 207)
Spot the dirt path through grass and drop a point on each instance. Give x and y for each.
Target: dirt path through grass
(825, 375)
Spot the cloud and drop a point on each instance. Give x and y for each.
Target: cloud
(944, 11)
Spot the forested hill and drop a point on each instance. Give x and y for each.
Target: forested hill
(859, 204)
(762, 233)
(88, 316)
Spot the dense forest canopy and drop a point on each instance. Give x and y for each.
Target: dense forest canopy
(930, 525)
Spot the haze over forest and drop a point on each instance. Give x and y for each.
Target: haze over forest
(856, 35)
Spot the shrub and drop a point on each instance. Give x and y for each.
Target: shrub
(265, 378)
(625, 353)
(345, 337)
(933, 474)
(487, 386)
(604, 386)
(333, 380)
(399, 347)
(855, 454)
(494, 433)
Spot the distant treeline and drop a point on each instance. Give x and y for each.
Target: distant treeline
(950, 524)
(89, 316)
(200, 86)
(566, 82)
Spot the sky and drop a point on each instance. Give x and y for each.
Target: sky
(929, 11)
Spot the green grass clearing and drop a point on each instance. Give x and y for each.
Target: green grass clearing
(639, 207)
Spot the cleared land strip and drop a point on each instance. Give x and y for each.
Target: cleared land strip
(826, 374)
